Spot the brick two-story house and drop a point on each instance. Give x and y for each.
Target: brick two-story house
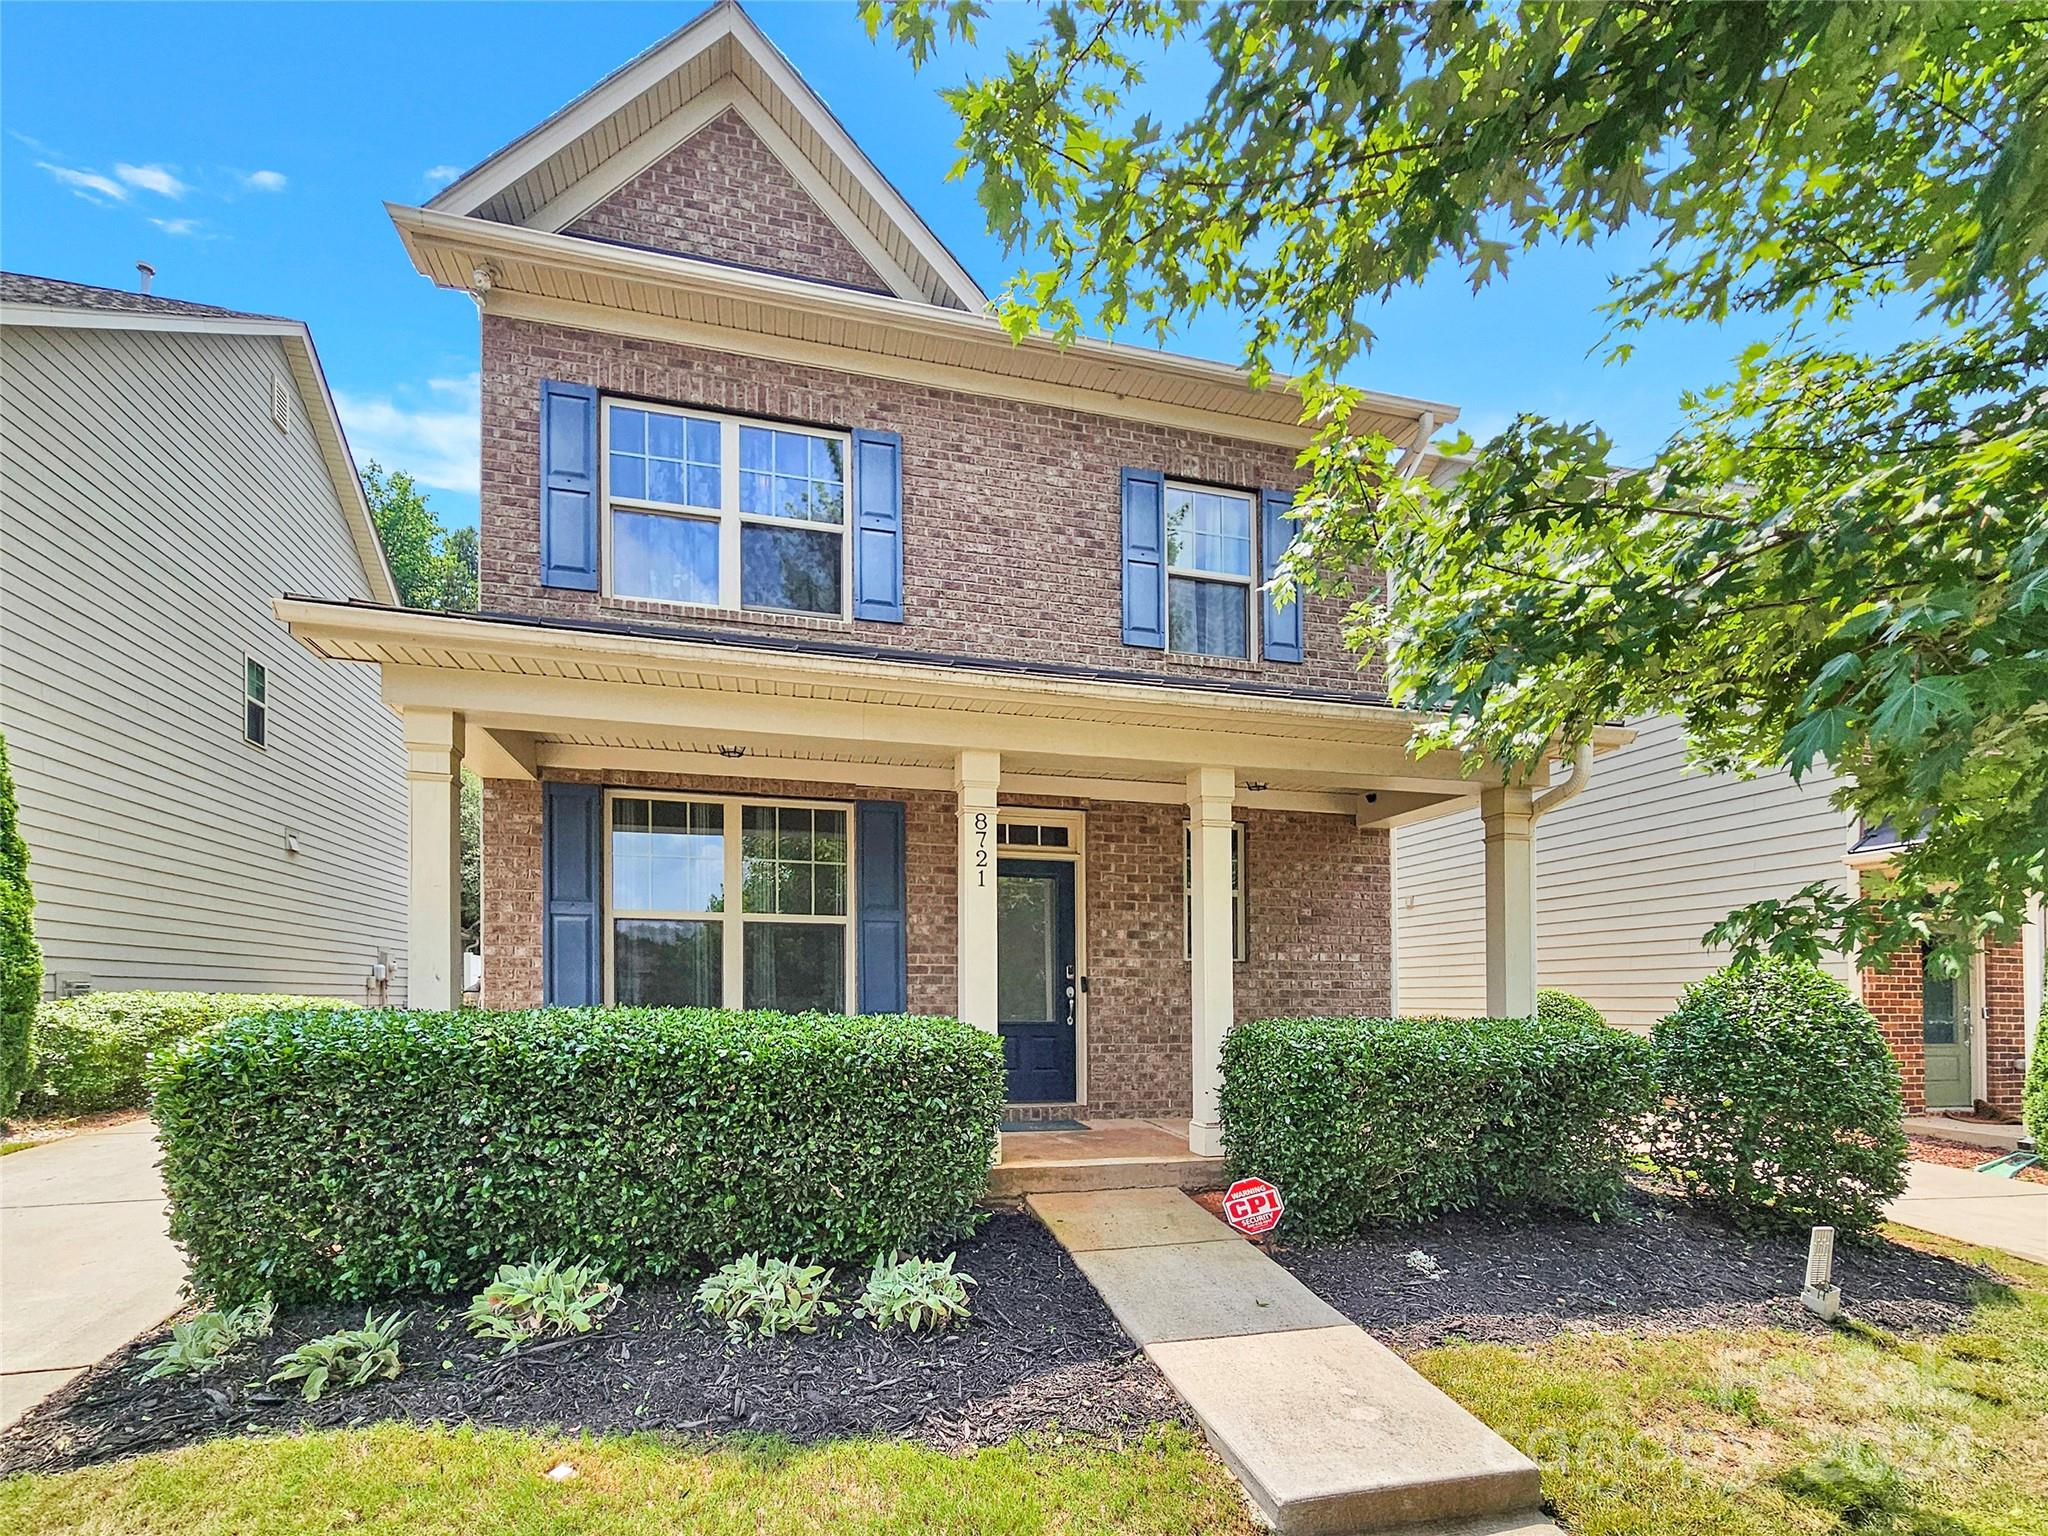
(838, 652)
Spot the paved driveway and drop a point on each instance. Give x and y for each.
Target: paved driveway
(85, 1261)
(2011, 1214)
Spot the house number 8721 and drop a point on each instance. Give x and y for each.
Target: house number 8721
(981, 849)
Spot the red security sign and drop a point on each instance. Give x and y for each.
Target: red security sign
(1252, 1206)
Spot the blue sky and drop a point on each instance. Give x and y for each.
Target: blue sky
(247, 151)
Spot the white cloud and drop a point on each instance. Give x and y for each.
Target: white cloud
(436, 443)
(90, 185)
(441, 175)
(177, 226)
(151, 178)
(264, 181)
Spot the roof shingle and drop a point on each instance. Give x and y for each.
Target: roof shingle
(55, 293)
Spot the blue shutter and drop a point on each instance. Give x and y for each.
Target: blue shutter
(878, 526)
(1145, 558)
(568, 486)
(1276, 532)
(879, 906)
(571, 874)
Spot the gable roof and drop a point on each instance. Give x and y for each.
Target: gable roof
(47, 301)
(549, 176)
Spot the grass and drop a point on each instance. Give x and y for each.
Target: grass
(1765, 1432)
(399, 1480)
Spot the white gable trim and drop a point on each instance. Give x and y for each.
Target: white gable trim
(308, 378)
(725, 20)
(666, 138)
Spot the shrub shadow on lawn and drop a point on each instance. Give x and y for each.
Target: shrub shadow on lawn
(1041, 1350)
(1517, 1278)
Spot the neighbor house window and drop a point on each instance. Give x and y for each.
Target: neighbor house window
(728, 513)
(1208, 571)
(678, 936)
(1240, 925)
(255, 702)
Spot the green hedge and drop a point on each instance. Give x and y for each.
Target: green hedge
(92, 1052)
(351, 1156)
(1555, 1007)
(1366, 1121)
(2034, 1097)
(1782, 1102)
(21, 962)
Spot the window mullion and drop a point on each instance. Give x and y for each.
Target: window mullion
(729, 514)
(733, 990)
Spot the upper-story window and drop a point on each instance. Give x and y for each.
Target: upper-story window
(1208, 571)
(709, 509)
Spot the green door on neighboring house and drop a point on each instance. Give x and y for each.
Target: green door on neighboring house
(1945, 1036)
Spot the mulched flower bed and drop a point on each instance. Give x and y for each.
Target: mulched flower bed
(1041, 1351)
(1659, 1268)
(1963, 1154)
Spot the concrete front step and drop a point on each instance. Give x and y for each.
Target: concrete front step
(1013, 1181)
(1328, 1430)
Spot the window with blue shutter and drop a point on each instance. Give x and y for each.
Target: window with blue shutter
(568, 486)
(1144, 540)
(878, 526)
(1283, 631)
(572, 876)
(880, 907)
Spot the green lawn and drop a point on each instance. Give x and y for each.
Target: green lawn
(1769, 1433)
(393, 1480)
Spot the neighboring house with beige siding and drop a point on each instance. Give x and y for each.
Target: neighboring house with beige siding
(205, 805)
(1632, 873)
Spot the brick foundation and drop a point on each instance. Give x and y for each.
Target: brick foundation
(1320, 921)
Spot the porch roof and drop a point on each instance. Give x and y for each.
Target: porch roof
(541, 693)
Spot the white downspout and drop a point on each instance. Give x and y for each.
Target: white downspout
(1425, 429)
(1570, 789)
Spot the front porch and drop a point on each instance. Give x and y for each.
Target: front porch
(1104, 1154)
(1107, 870)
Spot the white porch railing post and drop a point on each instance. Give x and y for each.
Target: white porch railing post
(433, 771)
(1211, 792)
(1507, 822)
(975, 777)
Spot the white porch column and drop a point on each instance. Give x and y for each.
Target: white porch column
(1210, 794)
(1507, 820)
(975, 776)
(433, 771)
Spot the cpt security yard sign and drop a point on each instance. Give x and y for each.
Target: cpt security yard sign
(1253, 1207)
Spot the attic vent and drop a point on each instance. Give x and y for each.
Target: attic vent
(280, 404)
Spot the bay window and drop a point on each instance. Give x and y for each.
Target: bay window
(719, 902)
(714, 510)
(1208, 571)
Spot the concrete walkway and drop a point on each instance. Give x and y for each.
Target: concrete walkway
(85, 1261)
(1328, 1430)
(2011, 1214)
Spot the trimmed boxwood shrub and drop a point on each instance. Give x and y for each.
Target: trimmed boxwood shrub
(1555, 1007)
(2034, 1096)
(21, 962)
(1367, 1121)
(357, 1155)
(92, 1052)
(1782, 1105)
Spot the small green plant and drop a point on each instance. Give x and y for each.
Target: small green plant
(918, 1293)
(540, 1300)
(759, 1297)
(204, 1343)
(352, 1358)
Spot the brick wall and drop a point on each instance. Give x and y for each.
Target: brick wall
(1011, 511)
(1320, 921)
(1894, 997)
(722, 193)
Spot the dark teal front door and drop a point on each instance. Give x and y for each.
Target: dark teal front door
(1035, 978)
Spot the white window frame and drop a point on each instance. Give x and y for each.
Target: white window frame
(249, 698)
(1249, 582)
(733, 921)
(1240, 895)
(727, 515)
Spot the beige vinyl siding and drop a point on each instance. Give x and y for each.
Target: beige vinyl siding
(152, 511)
(1628, 877)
